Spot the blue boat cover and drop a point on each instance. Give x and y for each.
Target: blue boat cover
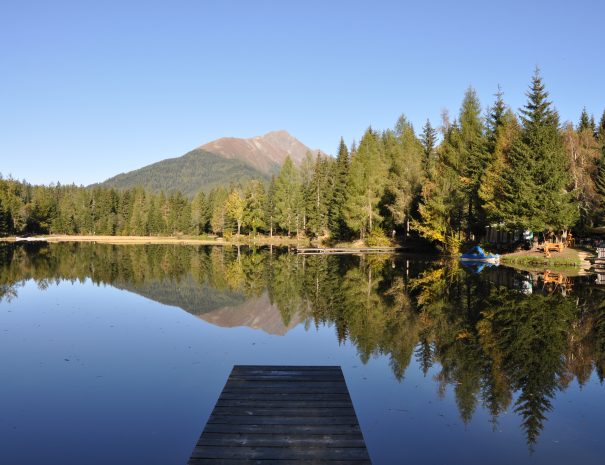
(478, 253)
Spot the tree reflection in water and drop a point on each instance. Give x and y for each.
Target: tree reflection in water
(495, 335)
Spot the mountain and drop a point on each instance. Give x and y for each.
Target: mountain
(223, 308)
(218, 163)
(265, 153)
(193, 171)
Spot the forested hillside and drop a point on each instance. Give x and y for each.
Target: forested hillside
(194, 171)
(491, 167)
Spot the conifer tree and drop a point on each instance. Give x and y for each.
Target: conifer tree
(495, 119)
(428, 139)
(319, 197)
(337, 223)
(199, 213)
(365, 185)
(287, 198)
(441, 205)
(270, 205)
(407, 163)
(490, 191)
(255, 201)
(584, 123)
(534, 194)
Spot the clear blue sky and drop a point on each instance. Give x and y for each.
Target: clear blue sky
(89, 89)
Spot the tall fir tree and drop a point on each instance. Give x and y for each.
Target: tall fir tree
(535, 191)
(495, 119)
(366, 184)
(407, 163)
(319, 197)
(254, 209)
(428, 139)
(584, 123)
(337, 222)
(288, 198)
(474, 159)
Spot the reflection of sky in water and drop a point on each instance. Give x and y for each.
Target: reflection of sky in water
(91, 374)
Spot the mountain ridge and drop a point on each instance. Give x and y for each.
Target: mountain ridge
(221, 162)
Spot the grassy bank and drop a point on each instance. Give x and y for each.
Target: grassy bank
(569, 258)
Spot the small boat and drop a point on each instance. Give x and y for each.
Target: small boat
(477, 254)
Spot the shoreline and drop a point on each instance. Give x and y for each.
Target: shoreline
(184, 240)
(527, 261)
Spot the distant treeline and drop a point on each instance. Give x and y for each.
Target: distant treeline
(511, 171)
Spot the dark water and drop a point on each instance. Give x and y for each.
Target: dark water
(116, 354)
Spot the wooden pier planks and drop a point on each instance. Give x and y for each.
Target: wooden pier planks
(282, 415)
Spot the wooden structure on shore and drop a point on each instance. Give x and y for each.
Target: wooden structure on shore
(282, 415)
(347, 250)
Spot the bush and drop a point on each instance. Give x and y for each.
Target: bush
(377, 238)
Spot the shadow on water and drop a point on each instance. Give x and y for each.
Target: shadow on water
(501, 339)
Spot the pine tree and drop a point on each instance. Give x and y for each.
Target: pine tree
(319, 197)
(255, 201)
(365, 185)
(337, 223)
(199, 213)
(270, 205)
(584, 123)
(216, 207)
(495, 119)
(407, 162)
(287, 198)
(474, 159)
(490, 191)
(535, 194)
(428, 139)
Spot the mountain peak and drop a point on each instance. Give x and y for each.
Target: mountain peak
(265, 153)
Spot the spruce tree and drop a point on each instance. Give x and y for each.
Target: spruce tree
(337, 223)
(406, 157)
(255, 201)
(535, 194)
(319, 197)
(428, 139)
(288, 198)
(365, 185)
(584, 123)
(495, 119)
(490, 191)
(474, 159)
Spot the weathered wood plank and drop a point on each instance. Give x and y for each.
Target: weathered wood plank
(271, 429)
(306, 411)
(283, 403)
(281, 453)
(281, 420)
(282, 415)
(300, 396)
(201, 461)
(276, 440)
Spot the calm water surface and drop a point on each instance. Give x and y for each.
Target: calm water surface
(117, 354)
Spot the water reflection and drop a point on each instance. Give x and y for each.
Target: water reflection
(501, 339)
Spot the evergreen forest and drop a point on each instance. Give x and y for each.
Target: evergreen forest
(448, 182)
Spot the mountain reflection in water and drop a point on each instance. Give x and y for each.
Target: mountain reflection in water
(502, 339)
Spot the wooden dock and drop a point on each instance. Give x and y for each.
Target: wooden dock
(283, 415)
(347, 250)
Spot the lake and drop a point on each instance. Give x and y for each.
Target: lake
(117, 354)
